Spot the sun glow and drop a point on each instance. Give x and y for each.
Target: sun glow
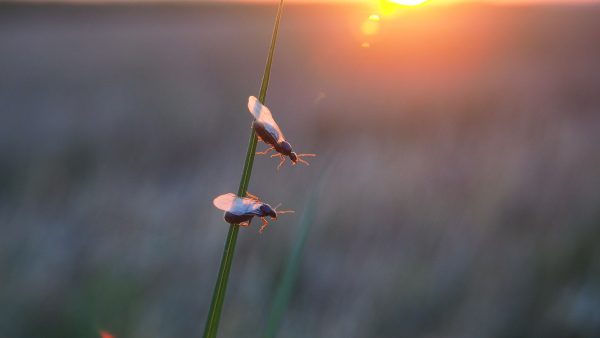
(408, 2)
(385, 10)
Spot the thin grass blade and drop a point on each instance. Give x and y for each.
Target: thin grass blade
(216, 306)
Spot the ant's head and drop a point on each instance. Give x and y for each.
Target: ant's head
(272, 212)
(293, 157)
(268, 211)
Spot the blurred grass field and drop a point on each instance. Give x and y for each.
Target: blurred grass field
(463, 145)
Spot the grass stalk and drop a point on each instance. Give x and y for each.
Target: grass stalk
(216, 306)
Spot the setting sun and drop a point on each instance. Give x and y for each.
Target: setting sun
(408, 2)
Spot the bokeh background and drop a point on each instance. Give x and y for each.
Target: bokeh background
(457, 177)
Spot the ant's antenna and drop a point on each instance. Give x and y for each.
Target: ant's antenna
(304, 155)
(283, 211)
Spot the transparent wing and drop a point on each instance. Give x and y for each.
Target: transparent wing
(236, 205)
(263, 115)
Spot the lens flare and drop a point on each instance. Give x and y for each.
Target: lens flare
(374, 17)
(370, 27)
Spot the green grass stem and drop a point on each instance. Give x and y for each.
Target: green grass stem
(216, 306)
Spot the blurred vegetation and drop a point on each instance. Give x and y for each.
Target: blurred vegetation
(285, 287)
(463, 146)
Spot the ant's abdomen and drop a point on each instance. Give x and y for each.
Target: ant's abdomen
(236, 219)
(263, 133)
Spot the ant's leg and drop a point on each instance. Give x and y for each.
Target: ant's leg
(264, 225)
(283, 158)
(302, 161)
(249, 195)
(265, 152)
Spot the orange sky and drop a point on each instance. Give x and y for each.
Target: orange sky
(430, 1)
(457, 1)
(437, 2)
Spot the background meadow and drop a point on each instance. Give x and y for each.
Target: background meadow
(463, 191)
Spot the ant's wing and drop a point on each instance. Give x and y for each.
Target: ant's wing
(235, 204)
(258, 110)
(263, 115)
